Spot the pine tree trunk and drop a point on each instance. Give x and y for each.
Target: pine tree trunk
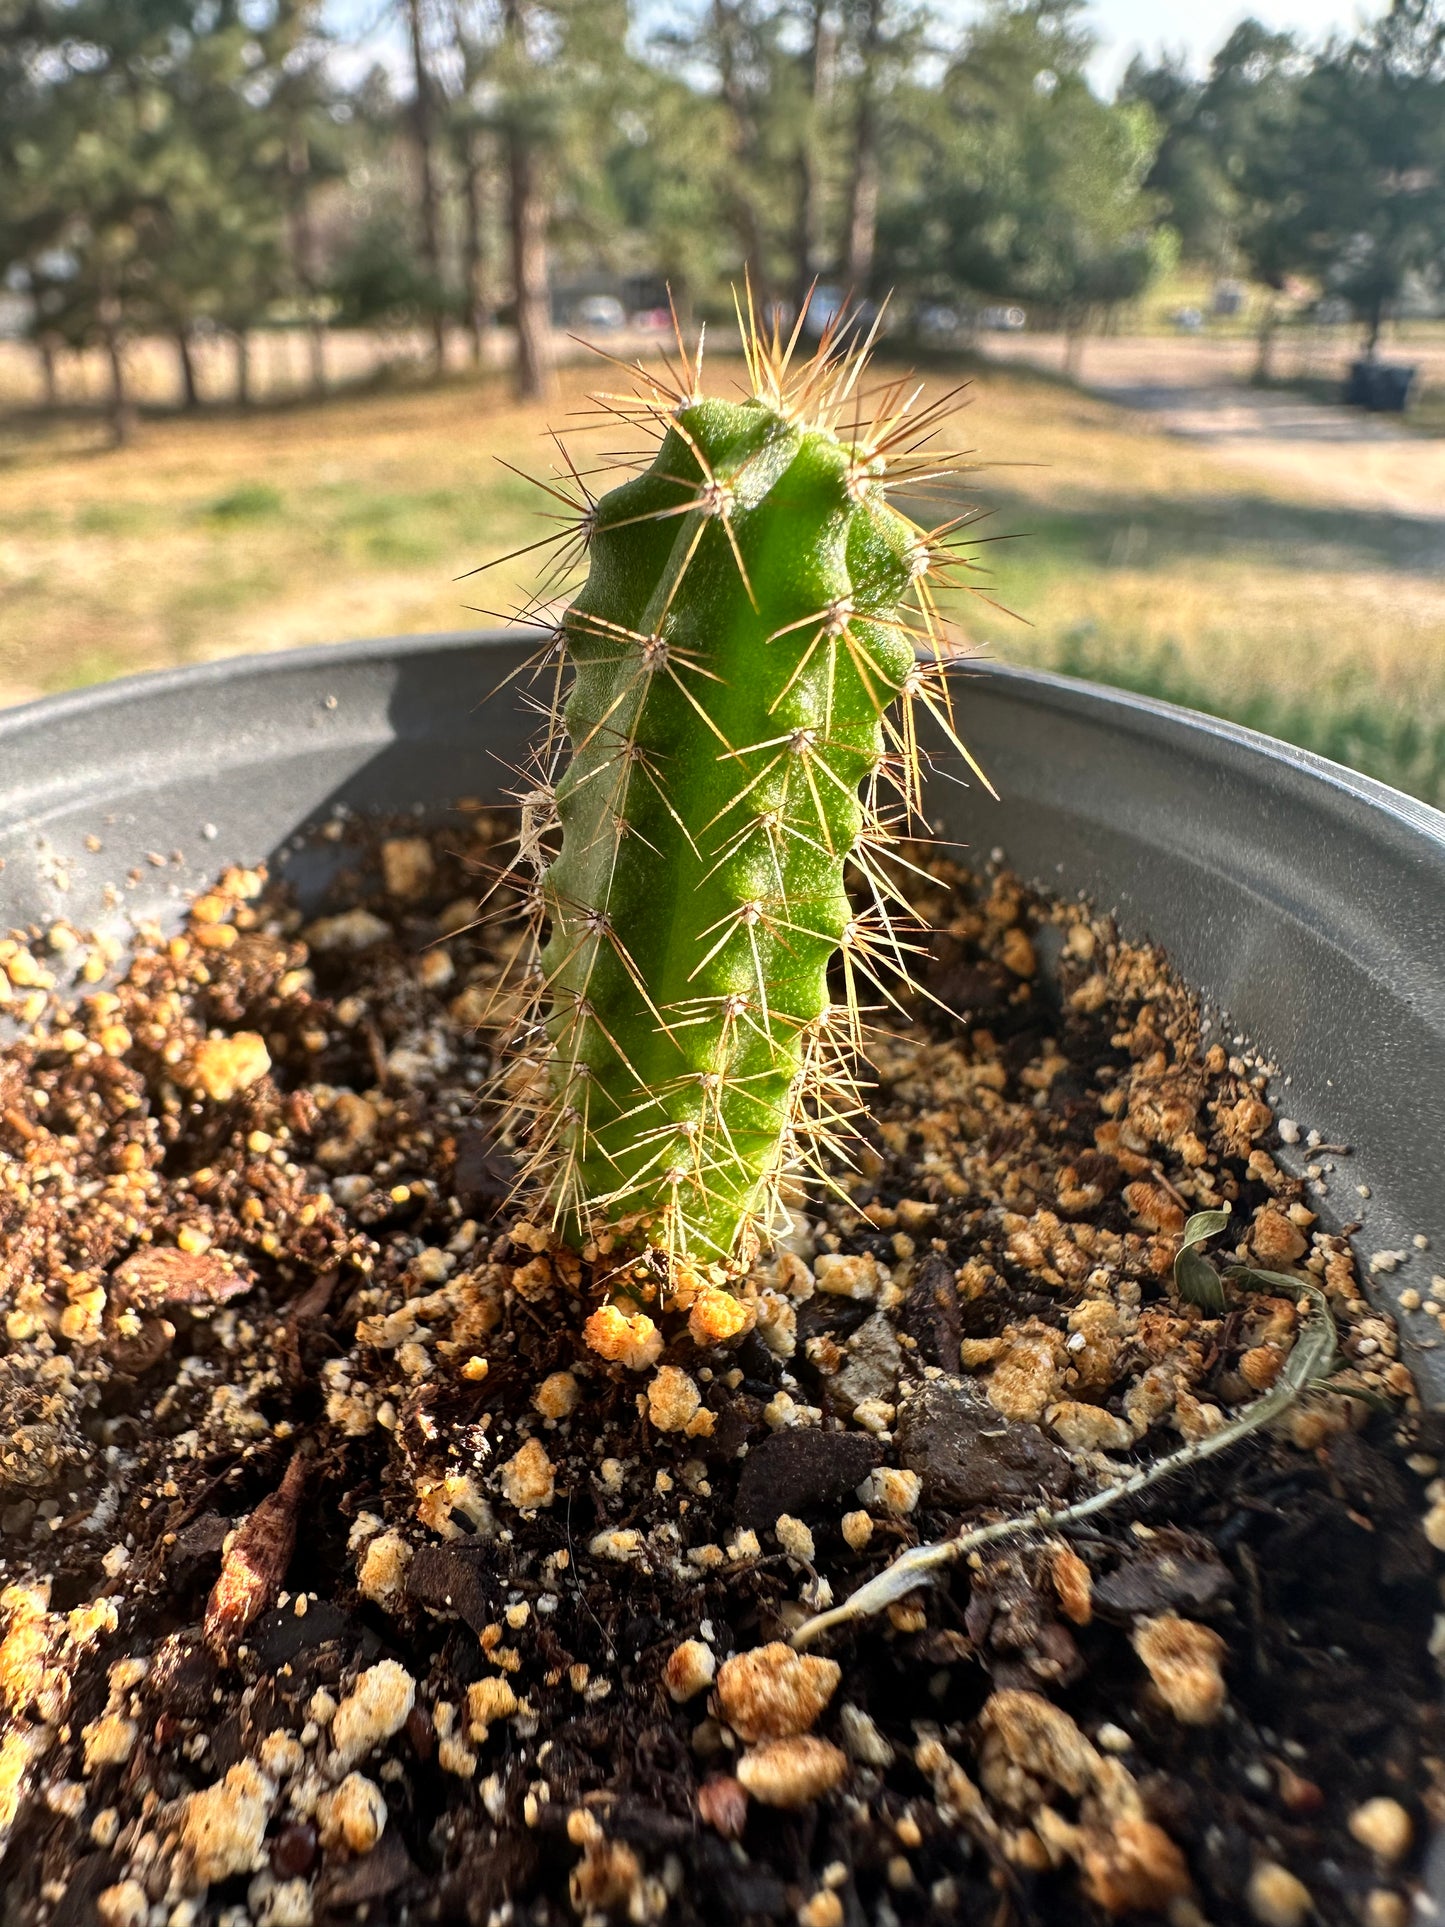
(190, 393)
(120, 408)
(1074, 327)
(475, 246)
(426, 160)
(819, 70)
(529, 270)
(1264, 341)
(303, 254)
(804, 229)
(316, 343)
(243, 368)
(1374, 327)
(530, 294)
(744, 214)
(45, 348)
(862, 214)
(863, 177)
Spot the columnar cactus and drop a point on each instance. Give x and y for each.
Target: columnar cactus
(746, 625)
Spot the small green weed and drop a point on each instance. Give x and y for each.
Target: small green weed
(251, 502)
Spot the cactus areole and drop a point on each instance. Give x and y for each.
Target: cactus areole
(748, 624)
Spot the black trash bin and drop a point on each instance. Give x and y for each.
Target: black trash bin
(1382, 387)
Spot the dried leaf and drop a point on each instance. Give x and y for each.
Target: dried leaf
(166, 1275)
(132, 1354)
(371, 1877)
(305, 1310)
(255, 1562)
(722, 1804)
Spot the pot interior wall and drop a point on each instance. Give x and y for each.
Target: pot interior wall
(1306, 902)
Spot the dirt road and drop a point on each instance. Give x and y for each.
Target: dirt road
(1198, 389)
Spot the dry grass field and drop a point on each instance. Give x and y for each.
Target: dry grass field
(1133, 556)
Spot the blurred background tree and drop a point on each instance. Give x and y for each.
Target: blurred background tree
(143, 160)
(1364, 174)
(1029, 187)
(190, 169)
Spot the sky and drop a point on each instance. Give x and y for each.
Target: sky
(1195, 28)
(1126, 27)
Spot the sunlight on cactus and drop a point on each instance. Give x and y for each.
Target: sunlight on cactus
(736, 690)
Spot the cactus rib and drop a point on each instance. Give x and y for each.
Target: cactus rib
(748, 624)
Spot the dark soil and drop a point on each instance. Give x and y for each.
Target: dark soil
(278, 1341)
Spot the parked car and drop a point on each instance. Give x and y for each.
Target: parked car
(938, 322)
(1227, 301)
(834, 307)
(601, 313)
(1002, 320)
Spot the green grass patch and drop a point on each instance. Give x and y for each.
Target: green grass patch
(1146, 563)
(91, 666)
(1340, 719)
(113, 518)
(251, 502)
(404, 527)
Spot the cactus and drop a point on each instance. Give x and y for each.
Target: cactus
(743, 661)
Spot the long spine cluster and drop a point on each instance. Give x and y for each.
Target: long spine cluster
(736, 686)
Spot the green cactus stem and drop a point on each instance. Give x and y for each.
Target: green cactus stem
(745, 629)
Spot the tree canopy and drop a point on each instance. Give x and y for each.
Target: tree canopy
(184, 166)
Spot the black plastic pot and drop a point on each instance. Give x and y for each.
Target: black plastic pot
(1308, 903)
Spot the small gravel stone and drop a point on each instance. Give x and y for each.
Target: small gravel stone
(381, 1575)
(773, 1692)
(862, 1740)
(893, 1489)
(845, 1276)
(407, 866)
(800, 1470)
(489, 1700)
(557, 1396)
(126, 1904)
(874, 1362)
(1088, 1428)
(691, 1667)
(529, 1478)
(1183, 1661)
(353, 930)
(792, 1772)
(857, 1529)
(795, 1538)
(223, 1826)
(1275, 1898)
(1386, 1909)
(372, 1711)
(1383, 1826)
(352, 1815)
(222, 1067)
(672, 1400)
